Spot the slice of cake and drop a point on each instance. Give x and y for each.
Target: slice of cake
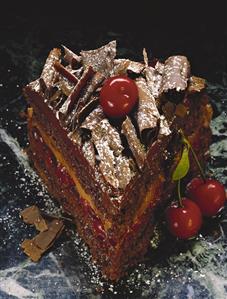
(112, 173)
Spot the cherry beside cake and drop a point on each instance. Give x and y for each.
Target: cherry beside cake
(104, 137)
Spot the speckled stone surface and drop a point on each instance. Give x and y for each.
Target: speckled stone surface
(192, 269)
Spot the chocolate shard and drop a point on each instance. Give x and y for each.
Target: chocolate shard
(154, 80)
(101, 59)
(74, 96)
(176, 74)
(71, 57)
(65, 72)
(134, 143)
(65, 86)
(81, 105)
(164, 128)
(123, 171)
(37, 246)
(108, 144)
(31, 250)
(49, 72)
(87, 109)
(121, 66)
(44, 240)
(148, 114)
(32, 215)
(89, 152)
(94, 118)
(196, 84)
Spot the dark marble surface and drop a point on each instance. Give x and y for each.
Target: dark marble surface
(193, 269)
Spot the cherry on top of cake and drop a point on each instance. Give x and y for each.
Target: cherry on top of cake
(78, 90)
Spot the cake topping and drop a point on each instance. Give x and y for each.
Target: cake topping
(134, 143)
(196, 84)
(49, 72)
(65, 73)
(108, 144)
(175, 74)
(73, 97)
(101, 59)
(71, 57)
(94, 118)
(121, 66)
(154, 80)
(148, 114)
(118, 96)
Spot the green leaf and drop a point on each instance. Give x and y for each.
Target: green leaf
(183, 165)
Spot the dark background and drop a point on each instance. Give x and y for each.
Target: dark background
(29, 31)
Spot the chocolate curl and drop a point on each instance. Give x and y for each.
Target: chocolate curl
(36, 247)
(82, 103)
(196, 84)
(74, 96)
(121, 66)
(65, 73)
(108, 144)
(154, 80)
(148, 114)
(94, 118)
(71, 57)
(32, 215)
(101, 59)
(176, 73)
(134, 144)
(49, 73)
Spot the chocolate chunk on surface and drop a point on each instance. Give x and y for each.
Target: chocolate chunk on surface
(175, 74)
(49, 72)
(148, 114)
(196, 84)
(32, 215)
(101, 59)
(134, 143)
(108, 144)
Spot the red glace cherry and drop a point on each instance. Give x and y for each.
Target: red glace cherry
(209, 194)
(118, 96)
(185, 220)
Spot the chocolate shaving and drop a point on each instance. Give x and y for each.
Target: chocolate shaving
(176, 73)
(65, 86)
(49, 73)
(73, 97)
(32, 215)
(65, 72)
(154, 80)
(35, 247)
(89, 152)
(164, 126)
(148, 114)
(87, 109)
(196, 84)
(83, 100)
(121, 66)
(94, 118)
(134, 143)
(71, 57)
(101, 59)
(108, 144)
(43, 86)
(123, 171)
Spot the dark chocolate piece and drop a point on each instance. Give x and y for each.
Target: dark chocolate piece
(108, 144)
(87, 109)
(71, 57)
(121, 66)
(148, 114)
(49, 72)
(32, 215)
(101, 59)
(196, 84)
(176, 74)
(74, 96)
(134, 143)
(95, 117)
(65, 73)
(154, 80)
(89, 152)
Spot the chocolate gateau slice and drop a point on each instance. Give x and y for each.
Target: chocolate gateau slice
(114, 176)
